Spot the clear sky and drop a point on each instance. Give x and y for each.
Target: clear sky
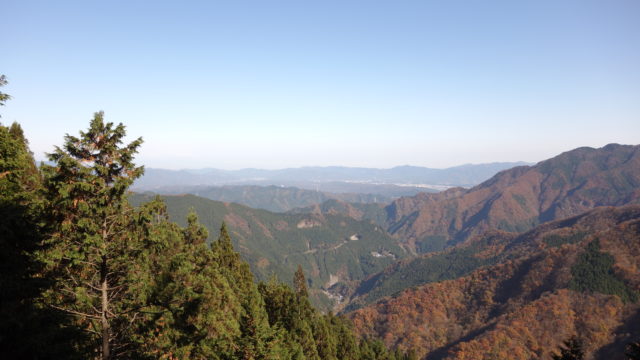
(273, 84)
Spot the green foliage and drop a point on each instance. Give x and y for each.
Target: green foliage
(25, 327)
(300, 283)
(27, 330)
(90, 248)
(312, 335)
(283, 199)
(557, 240)
(432, 268)
(196, 310)
(431, 243)
(593, 272)
(521, 201)
(3, 97)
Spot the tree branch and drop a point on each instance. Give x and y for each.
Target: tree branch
(73, 312)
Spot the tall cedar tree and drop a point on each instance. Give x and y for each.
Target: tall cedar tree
(257, 340)
(90, 250)
(19, 236)
(26, 330)
(572, 350)
(23, 327)
(192, 310)
(300, 283)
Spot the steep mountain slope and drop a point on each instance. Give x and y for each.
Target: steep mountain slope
(357, 210)
(331, 249)
(578, 276)
(520, 198)
(452, 263)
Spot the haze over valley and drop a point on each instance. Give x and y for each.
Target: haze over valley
(284, 190)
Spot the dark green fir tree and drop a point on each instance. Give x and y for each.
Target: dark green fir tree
(572, 349)
(90, 251)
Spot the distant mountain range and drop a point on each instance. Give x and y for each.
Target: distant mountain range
(286, 189)
(310, 177)
(516, 199)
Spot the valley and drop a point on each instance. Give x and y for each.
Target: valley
(325, 245)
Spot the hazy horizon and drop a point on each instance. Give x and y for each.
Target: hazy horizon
(334, 166)
(357, 84)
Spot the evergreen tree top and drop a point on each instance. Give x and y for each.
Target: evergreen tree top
(300, 283)
(3, 97)
(97, 151)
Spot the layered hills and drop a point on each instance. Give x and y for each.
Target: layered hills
(286, 189)
(532, 256)
(273, 198)
(520, 198)
(332, 249)
(529, 292)
(513, 200)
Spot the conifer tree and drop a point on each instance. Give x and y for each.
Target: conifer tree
(633, 350)
(26, 330)
(571, 350)
(346, 342)
(288, 311)
(20, 235)
(3, 97)
(257, 340)
(90, 251)
(195, 309)
(300, 283)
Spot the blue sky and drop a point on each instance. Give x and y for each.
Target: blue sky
(275, 84)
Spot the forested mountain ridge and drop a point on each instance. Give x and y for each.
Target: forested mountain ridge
(481, 250)
(360, 211)
(272, 198)
(520, 198)
(577, 276)
(332, 249)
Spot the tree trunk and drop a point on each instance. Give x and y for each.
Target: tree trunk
(106, 350)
